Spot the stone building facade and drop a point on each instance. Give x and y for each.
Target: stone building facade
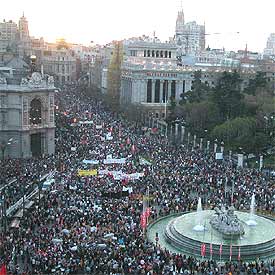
(151, 79)
(27, 123)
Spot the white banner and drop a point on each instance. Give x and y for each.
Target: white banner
(112, 161)
(90, 161)
(73, 148)
(86, 122)
(98, 127)
(219, 156)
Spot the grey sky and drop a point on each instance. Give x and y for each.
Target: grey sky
(105, 20)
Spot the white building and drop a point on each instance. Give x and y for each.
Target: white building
(270, 46)
(189, 37)
(151, 78)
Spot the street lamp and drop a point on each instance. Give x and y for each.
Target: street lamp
(222, 147)
(215, 145)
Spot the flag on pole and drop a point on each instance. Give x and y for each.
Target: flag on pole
(147, 212)
(133, 149)
(211, 249)
(239, 254)
(220, 249)
(230, 252)
(3, 270)
(203, 250)
(143, 220)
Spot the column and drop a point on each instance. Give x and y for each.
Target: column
(215, 146)
(161, 91)
(178, 90)
(188, 138)
(261, 162)
(200, 143)
(230, 155)
(194, 142)
(240, 160)
(169, 90)
(182, 133)
(134, 91)
(176, 130)
(153, 90)
(144, 90)
(208, 145)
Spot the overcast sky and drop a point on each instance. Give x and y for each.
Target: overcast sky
(102, 21)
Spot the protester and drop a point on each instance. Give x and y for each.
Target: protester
(91, 224)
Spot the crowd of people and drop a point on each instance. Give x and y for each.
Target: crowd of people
(90, 225)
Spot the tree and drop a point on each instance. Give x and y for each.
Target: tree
(241, 132)
(198, 90)
(200, 116)
(114, 77)
(227, 95)
(260, 81)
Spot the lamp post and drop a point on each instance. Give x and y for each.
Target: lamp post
(222, 147)
(240, 158)
(215, 145)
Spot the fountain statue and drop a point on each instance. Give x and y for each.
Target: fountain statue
(227, 223)
(251, 221)
(199, 226)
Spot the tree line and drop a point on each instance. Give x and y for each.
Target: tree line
(241, 116)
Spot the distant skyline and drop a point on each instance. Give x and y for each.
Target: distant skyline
(102, 21)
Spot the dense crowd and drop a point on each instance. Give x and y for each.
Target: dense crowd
(89, 225)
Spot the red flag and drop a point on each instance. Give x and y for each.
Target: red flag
(3, 270)
(239, 254)
(220, 249)
(203, 250)
(230, 252)
(211, 249)
(147, 212)
(133, 148)
(143, 220)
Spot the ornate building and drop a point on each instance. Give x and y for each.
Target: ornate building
(189, 37)
(151, 79)
(27, 124)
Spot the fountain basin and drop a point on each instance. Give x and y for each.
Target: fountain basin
(199, 228)
(177, 235)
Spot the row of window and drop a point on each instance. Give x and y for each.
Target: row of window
(157, 53)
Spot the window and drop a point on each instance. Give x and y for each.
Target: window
(169, 54)
(161, 53)
(148, 53)
(157, 54)
(35, 111)
(144, 54)
(166, 54)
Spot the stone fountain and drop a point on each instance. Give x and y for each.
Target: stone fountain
(251, 221)
(227, 223)
(199, 226)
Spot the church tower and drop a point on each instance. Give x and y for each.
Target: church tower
(23, 28)
(180, 23)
